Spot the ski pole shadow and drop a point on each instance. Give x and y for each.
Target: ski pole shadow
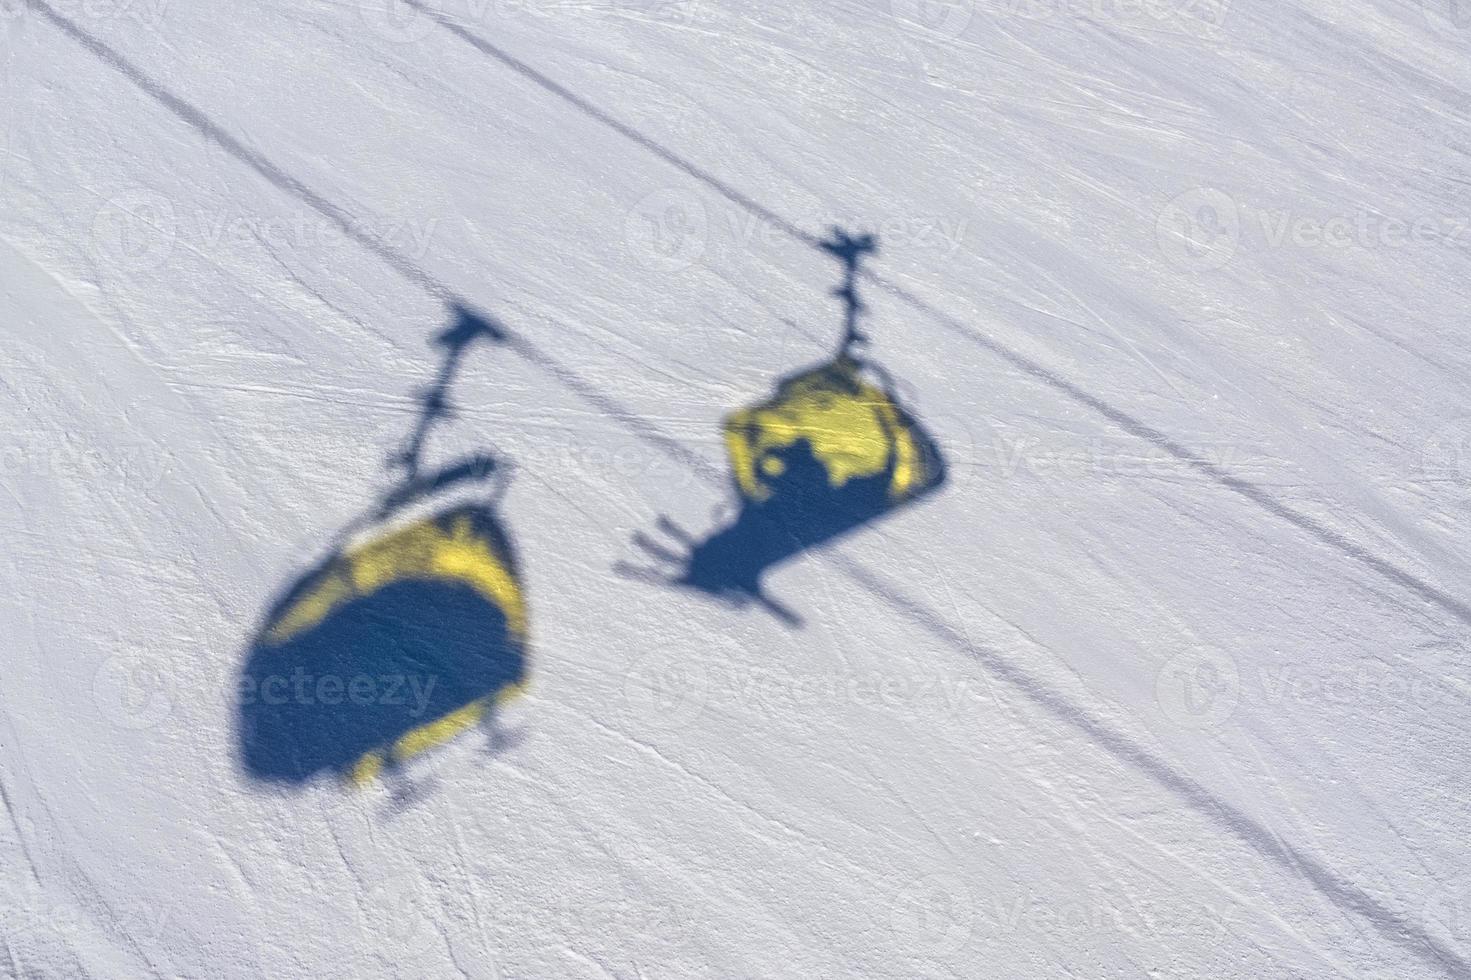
(831, 451)
(410, 632)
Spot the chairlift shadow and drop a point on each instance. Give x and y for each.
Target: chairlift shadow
(411, 631)
(831, 451)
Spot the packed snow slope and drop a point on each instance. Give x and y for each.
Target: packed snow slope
(1169, 678)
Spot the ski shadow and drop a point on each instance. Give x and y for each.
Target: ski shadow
(831, 451)
(409, 633)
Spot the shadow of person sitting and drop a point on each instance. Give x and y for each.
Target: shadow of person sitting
(410, 632)
(829, 452)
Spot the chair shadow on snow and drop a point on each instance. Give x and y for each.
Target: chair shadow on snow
(409, 633)
(831, 451)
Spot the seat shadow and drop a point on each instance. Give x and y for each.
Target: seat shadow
(831, 451)
(413, 629)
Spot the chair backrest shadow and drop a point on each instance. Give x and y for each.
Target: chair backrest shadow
(409, 632)
(829, 452)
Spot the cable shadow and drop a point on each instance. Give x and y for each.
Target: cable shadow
(831, 451)
(410, 632)
(1398, 930)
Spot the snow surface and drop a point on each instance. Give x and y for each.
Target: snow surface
(1169, 680)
